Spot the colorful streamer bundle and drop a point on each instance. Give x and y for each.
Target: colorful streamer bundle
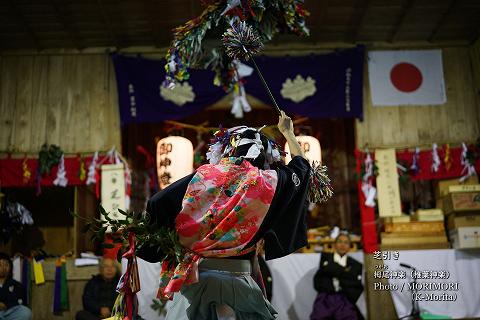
(190, 50)
(60, 293)
(320, 189)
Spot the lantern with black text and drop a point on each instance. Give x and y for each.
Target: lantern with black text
(174, 159)
(310, 146)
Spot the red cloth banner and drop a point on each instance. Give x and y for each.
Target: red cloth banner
(425, 163)
(367, 214)
(11, 172)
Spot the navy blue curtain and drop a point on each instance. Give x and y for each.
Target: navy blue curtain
(338, 80)
(138, 84)
(338, 86)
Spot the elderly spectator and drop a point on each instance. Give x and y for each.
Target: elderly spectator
(12, 294)
(100, 292)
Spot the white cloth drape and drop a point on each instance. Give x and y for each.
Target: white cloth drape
(293, 293)
(464, 269)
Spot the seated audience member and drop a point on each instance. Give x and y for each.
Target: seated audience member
(339, 284)
(99, 294)
(12, 294)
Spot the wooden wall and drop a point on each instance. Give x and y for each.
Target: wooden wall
(71, 100)
(456, 121)
(68, 100)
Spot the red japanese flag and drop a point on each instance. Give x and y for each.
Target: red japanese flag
(413, 77)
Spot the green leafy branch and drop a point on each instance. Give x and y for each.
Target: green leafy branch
(148, 235)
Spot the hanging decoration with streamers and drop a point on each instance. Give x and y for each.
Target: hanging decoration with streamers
(69, 170)
(195, 43)
(48, 157)
(240, 103)
(447, 159)
(60, 294)
(126, 305)
(82, 172)
(27, 173)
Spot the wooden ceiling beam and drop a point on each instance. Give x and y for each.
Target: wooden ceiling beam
(114, 37)
(361, 6)
(152, 11)
(70, 29)
(406, 8)
(18, 15)
(318, 11)
(475, 35)
(451, 6)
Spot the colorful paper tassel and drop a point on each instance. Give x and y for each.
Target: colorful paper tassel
(320, 189)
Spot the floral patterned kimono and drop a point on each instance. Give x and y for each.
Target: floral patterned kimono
(221, 212)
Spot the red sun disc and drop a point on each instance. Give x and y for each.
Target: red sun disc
(406, 77)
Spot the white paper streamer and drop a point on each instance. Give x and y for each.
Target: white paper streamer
(128, 182)
(416, 156)
(91, 170)
(368, 189)
(240, 103)
(243, 70)
(468, 168)
(61, 179)
(435, 158)
(370, 197)
(214, 153)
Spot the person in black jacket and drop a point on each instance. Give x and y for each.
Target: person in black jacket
(12, 295)
(338, 282)
(220, 213)
(100, 292)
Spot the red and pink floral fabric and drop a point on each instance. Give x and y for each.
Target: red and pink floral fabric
(222, 210)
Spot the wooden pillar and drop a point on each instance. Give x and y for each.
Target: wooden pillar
(379, 302)
(86, 205)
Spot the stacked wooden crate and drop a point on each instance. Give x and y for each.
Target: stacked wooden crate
(461, 204)
(424, 230)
